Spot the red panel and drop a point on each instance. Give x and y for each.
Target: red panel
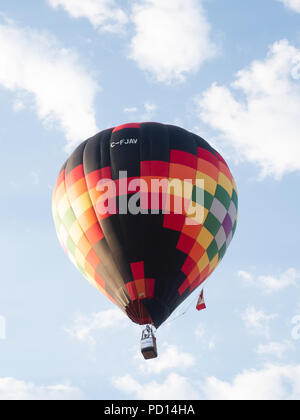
(155, 168)
(201, 279)
(225, 170)
(150, 287)
(208, 156)
(94, 234)
(75, 175)
(93, 178)
(138, 270)
(59, 192)
(185, 243)
(220, 158)
(99, 280)
(122, 127)
(196, 283)
(183, 158)
(93, 259)
(174, 221)
(208, 168)
(197, 252)
(182, 172)
(132, 290)
(60, 179)
(160, 168)
(184, 287)
(205, 273)
(192, 231)
(188, 266)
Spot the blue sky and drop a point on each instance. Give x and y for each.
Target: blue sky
(228, 70)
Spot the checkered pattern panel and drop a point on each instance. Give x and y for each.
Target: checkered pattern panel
(206, 244)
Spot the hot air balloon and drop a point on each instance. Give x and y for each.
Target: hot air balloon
(119, 222)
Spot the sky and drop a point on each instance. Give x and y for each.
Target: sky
(227, 70)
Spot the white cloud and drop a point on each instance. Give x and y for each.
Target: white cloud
(275, 284)
(171, 357)
(246, 277)
(271, 284)
(147, 114)
(275, 349)
(271, 383)
(103, 14)
(84, 327)
(258, 115)
(131, 110)
(292, 4)
(175, 387)
(150, 110)
(13, 389)
(62, 90)
(172, 38)
(257, 321)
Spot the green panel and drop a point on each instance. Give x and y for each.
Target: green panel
(235, 198)
(69, 219)
(81, 269)
(223, 196)
(197, 197)
(71, 245)
(234, 228)
(57, 222)
(222, 251)
(212, 224)
(208, 200)
(212, 250)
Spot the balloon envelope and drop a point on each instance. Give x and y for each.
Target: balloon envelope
(138, 236)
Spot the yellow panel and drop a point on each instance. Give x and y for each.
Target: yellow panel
(214, 263)
(59, 193)
(77, 189)
(225, 183)
(210, 184)
(82, 204)
(76, 232)
(175, 187)
(88, 219)
(54, 208)
(63, 234)
(234, 186)
(84, 246)
(89, 270)
(196, 214)
(63, 206)
(205, 238)
(79, 257)
(203, 263)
